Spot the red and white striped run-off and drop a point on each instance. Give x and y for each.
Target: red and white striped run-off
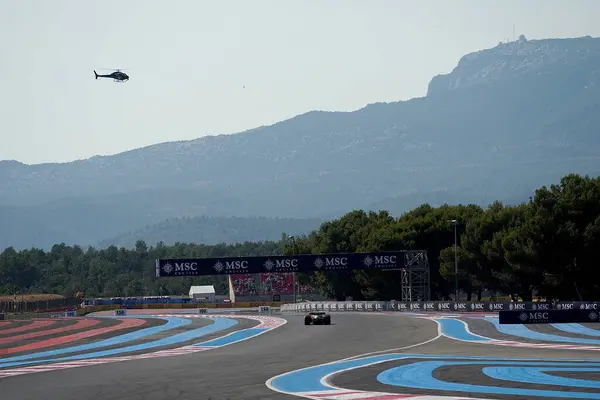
(265, 322)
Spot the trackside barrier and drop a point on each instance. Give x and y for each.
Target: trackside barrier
(264, 309)
(29, 304)
(548, 316)
(70, 313)
(121, 312)
(110, 307)
(436, 306)
(1, 316)
(202, 311)
(55, 315)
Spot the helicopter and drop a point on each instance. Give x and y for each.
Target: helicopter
(117, 76)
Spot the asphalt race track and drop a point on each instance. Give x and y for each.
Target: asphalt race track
(171, 355)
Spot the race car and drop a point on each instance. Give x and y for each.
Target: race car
(317, 318)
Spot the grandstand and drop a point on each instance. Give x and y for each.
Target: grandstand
(244, 288)
(255, 287)
(244, 285)
(277, 283)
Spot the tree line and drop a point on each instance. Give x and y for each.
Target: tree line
(113, 271)
(548, 246)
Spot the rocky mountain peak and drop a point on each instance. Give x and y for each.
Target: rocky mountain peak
(513, 59)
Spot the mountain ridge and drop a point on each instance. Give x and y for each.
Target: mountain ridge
(518, 57)
(510, 48)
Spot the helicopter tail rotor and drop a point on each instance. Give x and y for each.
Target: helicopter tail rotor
(95, 73)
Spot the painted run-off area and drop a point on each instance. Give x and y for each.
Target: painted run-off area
(19, 365)
(418, 374)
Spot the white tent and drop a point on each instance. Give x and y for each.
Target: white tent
(204, 292)
(231, 289)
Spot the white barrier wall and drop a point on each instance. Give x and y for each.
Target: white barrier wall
(437, 306)
(335, 306)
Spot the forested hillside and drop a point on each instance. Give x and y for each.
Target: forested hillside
(505, 121)
(549, 245)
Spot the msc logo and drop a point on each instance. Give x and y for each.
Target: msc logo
(230, 265)
(565, 306)
(382, 260)
(186, 266)
(379, 260)
(287, 263)
(277, 264)
(476, 306)
(460, 306)
(429, 306)
(588, 306)
(516, 306)
(335, 261)
(540, 306)
(443, 306)
(331, 262)
(415, 306)
(496, 306)
(537, 316)
(180, 267)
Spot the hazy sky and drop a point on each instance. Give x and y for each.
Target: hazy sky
(189, 61)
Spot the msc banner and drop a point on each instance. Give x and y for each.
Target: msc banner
(547, 316)
(535, 310)
(295, 263)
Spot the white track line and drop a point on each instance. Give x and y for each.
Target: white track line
(345, 394)
(492, 341)
(338, 393)
(513, 343)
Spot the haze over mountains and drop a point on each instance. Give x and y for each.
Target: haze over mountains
(505, 121)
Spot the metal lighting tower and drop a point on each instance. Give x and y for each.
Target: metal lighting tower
(455, 223)
(416, 285)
